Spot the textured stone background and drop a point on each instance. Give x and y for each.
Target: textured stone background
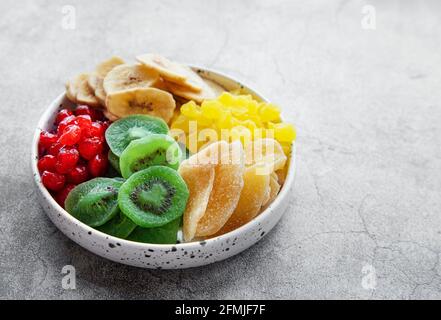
(366, 104)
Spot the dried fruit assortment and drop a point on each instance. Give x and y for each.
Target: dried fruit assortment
(112, 162)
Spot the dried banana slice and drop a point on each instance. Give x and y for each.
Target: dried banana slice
(199, 180)
(96, 84)
(209, 90)
(150, 101)
(172, 71)
(104, 67)
(256, 190)
(126, 77)
(167, 69)
(71, 91)
(96, 78)
(79, 91)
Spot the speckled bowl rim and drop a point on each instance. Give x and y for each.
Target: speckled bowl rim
(47, 114)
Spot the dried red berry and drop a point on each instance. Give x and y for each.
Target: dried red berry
(62, 114)
(67, 159)
(90, 147)
(52, 180)
(47, 163)
(55, 149)
(97, 165)
(61, 196)
(78, 174)
(47, 139)
(84, 121)
(96, 129)
(71, 135)
(65, 122)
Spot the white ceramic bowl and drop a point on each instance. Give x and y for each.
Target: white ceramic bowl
(159, 256)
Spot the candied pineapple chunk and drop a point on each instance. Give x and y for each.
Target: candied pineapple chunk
(242, 116)
(284, 132)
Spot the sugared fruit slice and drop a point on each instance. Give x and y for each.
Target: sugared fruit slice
(166, 234)
(265, 152)
(255, 191)
(154, 149)
(94, 202)
(120, 226)
(274, 191)
(199, 179)
(227, 186)
(122, 132)
(153, 197)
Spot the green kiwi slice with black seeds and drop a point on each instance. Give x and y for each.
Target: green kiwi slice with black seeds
(119, 226)
(153, 197)
(185, 152)
(94, 202)
(167, 234)
(114, 161)
(121, 132)
(155, 149)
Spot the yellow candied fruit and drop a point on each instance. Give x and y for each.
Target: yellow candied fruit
(226, 98)
(241, 115)
(269, 112)
(190, 110)
(284, 132)
(212, 109)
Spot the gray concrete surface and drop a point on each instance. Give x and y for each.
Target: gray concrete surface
(365, 220)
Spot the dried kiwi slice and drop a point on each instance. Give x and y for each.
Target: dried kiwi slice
(155, 149)
(153, 197)
(120, 226)
(94, 202)
(123, 131)
(167, 234)
(114, 161)
(185, 152)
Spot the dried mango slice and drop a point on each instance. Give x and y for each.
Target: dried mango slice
(266, 152)
(211, 154)
(255, 191)
(199, 180)
(281, 174)
(274, 191)
(227, 186)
